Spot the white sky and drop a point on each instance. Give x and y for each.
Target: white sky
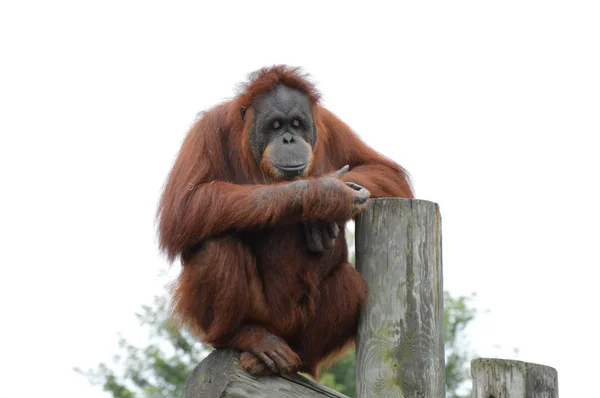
(494, 108)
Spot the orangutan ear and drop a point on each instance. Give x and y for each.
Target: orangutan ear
(243, 112)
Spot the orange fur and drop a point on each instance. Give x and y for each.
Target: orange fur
(245, 263)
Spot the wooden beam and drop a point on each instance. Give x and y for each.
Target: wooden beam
(219, 375)
(400, 345)
(502, 378)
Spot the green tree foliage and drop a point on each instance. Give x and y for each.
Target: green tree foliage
(157, 370)
(160, 368)
(458, 312)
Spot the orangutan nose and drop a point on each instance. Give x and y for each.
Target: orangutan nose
(288, 138)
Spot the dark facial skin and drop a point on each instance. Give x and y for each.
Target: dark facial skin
(283, 132)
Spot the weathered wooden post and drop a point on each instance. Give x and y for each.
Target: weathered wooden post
(502, 378)
(219, 376)
(400, 345)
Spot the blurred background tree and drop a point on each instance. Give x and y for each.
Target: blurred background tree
(160, 368)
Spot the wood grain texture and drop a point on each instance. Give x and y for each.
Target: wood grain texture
(400, 344)
(219, 375)
(502, 378)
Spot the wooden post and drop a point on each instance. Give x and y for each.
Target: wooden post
(400, 344)
(219, 375)
(501, 378)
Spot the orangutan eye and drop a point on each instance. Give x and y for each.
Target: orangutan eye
(296, 123)
(276, 124)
